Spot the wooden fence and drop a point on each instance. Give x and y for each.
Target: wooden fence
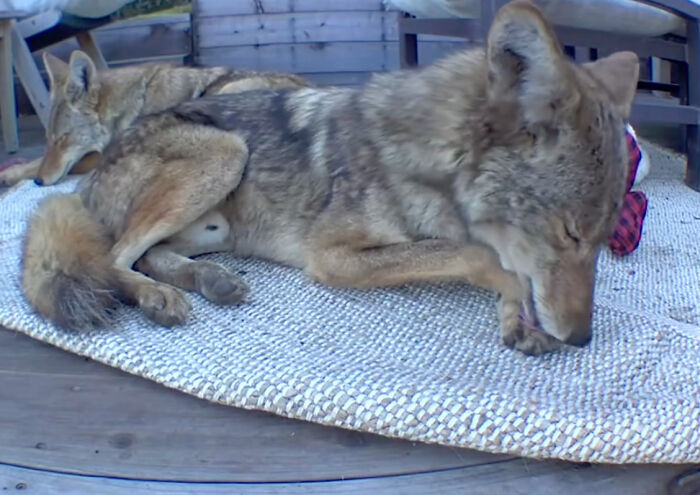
(339, 42)
(329, 41)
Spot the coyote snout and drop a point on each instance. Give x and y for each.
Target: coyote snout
(562, 299)
(60, 158)
(557, 275)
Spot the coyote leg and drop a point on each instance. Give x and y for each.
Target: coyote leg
(211, 280)
(428, 260)
(17, 173)
(167, 206)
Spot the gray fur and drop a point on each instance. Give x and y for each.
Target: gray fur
(502, 167)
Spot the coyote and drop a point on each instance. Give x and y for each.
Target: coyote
(502, 167)
(89, 107)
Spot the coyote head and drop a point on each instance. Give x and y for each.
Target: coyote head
(75, 128)
(552, 167)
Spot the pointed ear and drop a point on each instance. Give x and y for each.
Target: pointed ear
(526, 63)
(56, 68)
(82, 77)
(619, 74)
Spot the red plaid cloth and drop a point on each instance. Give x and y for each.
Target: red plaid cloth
(12, 162)
(628, 232)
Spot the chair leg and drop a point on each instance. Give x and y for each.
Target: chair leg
(8, 112)
(692, 174)
(408, 48)
(692, 171)
(87, 43)
(29, 76)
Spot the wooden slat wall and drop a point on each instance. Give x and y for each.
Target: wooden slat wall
(337, 42)
(208, 8)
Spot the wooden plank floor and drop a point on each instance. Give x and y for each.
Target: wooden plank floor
(69, 425)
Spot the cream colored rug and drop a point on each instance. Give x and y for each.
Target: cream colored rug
(425, 362)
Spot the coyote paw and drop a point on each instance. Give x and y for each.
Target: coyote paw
(530, 341)
(219, 285)
(7, 179)
(164, 304)
(518, 336)
(13, 171)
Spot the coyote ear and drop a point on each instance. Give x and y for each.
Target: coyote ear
(526, 63)
(619, 74)
(56, 68)
(82, 77)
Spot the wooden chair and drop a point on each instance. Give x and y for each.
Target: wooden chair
(682, 52)
(8, 112)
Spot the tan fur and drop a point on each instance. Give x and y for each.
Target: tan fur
(504, 168)
(89, 107)
(49, 273)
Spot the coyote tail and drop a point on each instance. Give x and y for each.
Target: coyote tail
(67, 271)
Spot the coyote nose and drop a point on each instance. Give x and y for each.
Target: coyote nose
(579, 339)
(39, 181)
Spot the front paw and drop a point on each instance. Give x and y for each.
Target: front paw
(529, 341)
(7, 179)
(164, 304)
(217, 284)
(518, 335)
(16, 170)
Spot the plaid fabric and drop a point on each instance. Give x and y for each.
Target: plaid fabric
(628, 232)
(12, 162)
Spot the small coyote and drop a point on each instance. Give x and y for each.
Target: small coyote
(502, 167)
(88, 107)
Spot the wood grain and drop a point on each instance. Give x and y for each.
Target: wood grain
(8, 112)
(297, 28)
(71, 425)
(517, 477)
(303, 27)
(62, 412)
(25, 68)
(206, 8)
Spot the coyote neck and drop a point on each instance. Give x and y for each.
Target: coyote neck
(141, 91)
(125, 96)
(169, 86)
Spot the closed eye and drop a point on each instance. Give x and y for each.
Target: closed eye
(571, 235)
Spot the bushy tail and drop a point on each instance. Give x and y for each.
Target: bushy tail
(67, 274)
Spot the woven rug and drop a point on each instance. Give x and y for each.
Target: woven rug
(425, 363)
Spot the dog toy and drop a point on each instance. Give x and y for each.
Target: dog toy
(628, 232)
